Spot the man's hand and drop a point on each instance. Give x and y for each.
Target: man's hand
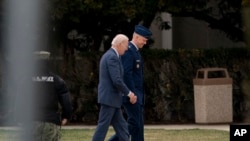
(132, 98)
(64, 121)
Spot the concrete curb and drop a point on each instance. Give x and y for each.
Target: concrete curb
(223, 127)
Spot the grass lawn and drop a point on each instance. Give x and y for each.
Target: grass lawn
(150, 135)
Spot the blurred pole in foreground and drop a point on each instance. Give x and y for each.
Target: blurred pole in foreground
(21, 37)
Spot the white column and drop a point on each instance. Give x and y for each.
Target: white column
(167, 33)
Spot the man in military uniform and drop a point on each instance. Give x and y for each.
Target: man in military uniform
(133, 78)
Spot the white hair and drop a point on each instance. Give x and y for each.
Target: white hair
(119, 38)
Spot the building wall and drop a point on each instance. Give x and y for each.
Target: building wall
(188, 32)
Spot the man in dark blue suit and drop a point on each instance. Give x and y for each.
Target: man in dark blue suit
(133, 78)
(111, 89)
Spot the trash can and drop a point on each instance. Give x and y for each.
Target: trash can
(213, 96)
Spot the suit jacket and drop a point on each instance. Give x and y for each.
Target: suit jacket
(111, 86)
(133, 72)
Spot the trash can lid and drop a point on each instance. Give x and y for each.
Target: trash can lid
(212, 76)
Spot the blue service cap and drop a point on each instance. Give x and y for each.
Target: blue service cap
(143, 31)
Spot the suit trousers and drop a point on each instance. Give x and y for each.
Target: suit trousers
(111, 116)
(135, 121)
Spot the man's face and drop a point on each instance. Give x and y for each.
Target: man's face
(141, 41)
(123, 47)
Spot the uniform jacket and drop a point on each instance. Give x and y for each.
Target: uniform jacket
(47, 96)
(111, 86)
(51, 90)
(133, 71)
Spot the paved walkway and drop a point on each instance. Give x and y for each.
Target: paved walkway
(224, 127)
